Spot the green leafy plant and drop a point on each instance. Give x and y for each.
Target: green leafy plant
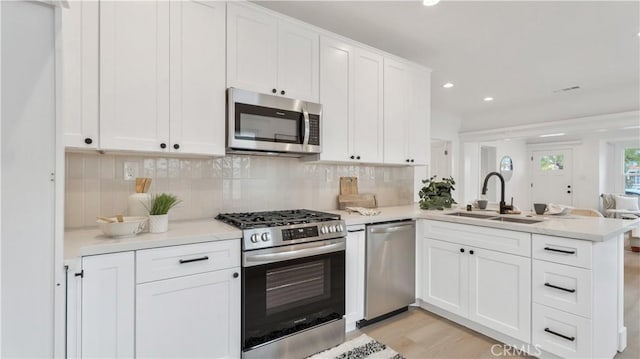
(437, 194)
(162, 203)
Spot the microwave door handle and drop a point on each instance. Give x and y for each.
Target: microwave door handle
(305, 113)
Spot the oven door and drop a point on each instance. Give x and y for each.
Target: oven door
(260, 122)
(292, 288)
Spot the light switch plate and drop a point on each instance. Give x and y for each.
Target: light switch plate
(130, 170)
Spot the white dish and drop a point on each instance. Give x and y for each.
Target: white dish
(558, 210)
(128, 228)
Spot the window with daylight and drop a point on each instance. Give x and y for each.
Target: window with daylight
(552, 163)
(632, 170)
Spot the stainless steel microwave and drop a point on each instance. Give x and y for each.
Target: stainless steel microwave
(266, 124)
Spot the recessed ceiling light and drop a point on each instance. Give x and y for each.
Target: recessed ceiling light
(448, 85)
(630, 127)
(602, 130)
(639, 34)
(488, 99)
(552, 135)
(430, 2)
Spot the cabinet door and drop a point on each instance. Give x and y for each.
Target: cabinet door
(298, 69)
(500, 292)
(108, 306)
(197, 82)
(79, 29)
(196, 316)
(397, 97)
(368, 105)
(252, 46)
(446, 276)
(355, 258)
(336, 96)
(419, 124)
(134, 75)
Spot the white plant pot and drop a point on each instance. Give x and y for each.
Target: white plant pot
(159, 223)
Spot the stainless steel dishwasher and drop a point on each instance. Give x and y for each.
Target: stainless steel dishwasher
(390, 269)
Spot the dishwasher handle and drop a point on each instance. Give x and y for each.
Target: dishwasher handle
(401, 228)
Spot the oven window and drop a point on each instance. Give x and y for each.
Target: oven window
(296, 285)
(259, 123)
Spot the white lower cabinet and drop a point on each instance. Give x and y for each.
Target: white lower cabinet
(561, 333)
(354, 276)
(488, 287)
(108, 294)
(500, 292)
(186, 312)
(196, 316)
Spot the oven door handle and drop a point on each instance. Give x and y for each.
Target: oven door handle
(256, 259)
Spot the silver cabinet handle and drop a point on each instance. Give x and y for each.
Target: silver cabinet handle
(392, 229)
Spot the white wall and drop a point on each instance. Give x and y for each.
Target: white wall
(445, 126)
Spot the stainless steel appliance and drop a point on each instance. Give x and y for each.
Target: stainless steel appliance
(293, 282)
(273, 125)
(390, 269)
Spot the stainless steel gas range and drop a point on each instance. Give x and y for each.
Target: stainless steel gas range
(293, 282)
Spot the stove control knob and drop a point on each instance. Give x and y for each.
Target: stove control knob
(339, 228)
(323, 229)
(332, 229)
(254, 238)
(266, 236)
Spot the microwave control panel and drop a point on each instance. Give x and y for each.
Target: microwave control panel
(314, 130)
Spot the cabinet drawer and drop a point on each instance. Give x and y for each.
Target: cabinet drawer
(482, 237)
(176, 261)
(563, 334)
(562, 287)
(573, 252)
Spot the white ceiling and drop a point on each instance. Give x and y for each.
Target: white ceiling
(515, 51)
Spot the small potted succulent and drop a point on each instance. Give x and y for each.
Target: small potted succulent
(159, 207)
(437, 194)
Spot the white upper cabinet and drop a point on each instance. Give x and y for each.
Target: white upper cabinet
(351, 97)
(407, 111)
(368, 107)
(162, 76)
(271, 55)
(197, 77)
(79, 67)
(134, 75)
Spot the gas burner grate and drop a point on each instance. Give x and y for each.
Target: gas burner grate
(250, 220)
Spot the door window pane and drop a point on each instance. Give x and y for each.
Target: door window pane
(632, 171)
(552, 163)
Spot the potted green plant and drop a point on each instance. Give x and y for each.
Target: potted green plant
(159, 207)
(437, 194)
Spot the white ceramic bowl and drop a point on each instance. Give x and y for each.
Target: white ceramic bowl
(129, 228)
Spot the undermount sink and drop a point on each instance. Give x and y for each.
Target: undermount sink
(470, 215)
(516, 220)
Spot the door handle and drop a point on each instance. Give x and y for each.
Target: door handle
(204, 258)
(560, 288)
(559, 335)
(558, 250)
(305, 113)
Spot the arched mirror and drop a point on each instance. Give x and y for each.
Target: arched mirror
(506, 167)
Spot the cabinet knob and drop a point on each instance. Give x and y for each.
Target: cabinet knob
(282, 92)
(88, 140)
(274, 91)
(176, 146)
(235, 275)
(471, 252)
(568, 191)
(461, 250)
(353, 157)
(163, 145)
(412, 160)
(357, 157)
(408, 160)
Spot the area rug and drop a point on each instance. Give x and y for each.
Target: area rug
(359, 348)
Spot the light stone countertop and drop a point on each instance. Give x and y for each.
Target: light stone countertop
(569, 226)
(83, 242)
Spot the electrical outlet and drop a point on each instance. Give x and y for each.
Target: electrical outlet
(130, 171)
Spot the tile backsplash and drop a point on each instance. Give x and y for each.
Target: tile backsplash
(95, 184)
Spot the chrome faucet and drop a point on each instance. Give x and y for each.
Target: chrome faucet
(503, 206)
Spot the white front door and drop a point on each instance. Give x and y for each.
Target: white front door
(551, 177)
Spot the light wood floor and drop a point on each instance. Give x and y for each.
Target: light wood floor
(418, 334)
